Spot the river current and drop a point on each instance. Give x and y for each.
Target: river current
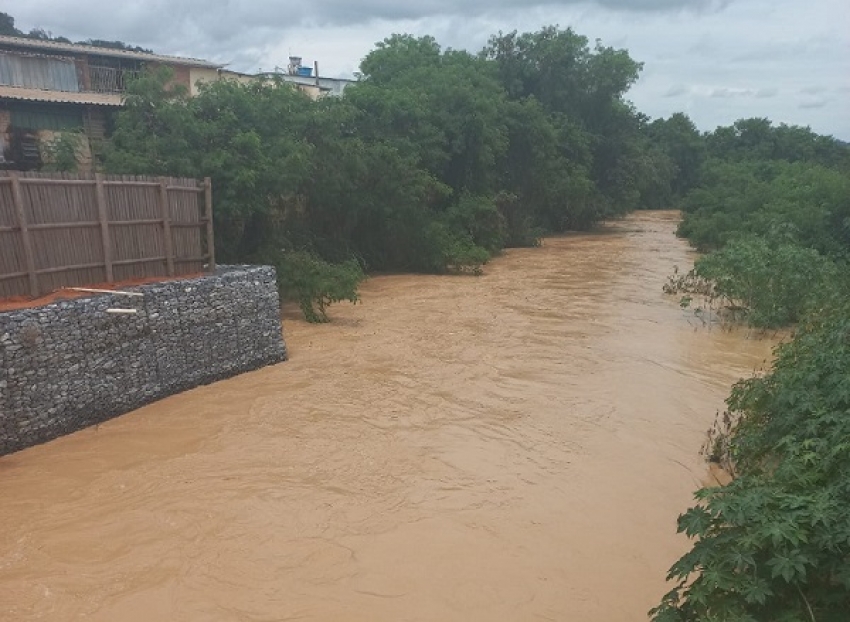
(510, 447)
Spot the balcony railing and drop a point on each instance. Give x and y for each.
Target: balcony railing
(109, 79)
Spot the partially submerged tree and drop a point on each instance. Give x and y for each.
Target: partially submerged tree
(774, 545)
(771, 208)
(433, 162)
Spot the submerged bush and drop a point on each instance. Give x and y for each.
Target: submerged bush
(774, 545)
(772, 280)
(478, 219)
(451, 251)
(316, 283)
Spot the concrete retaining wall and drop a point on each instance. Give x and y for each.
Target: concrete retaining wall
(71, 364)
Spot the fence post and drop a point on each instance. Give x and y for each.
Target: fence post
(103, 218)
(209, 215)
(165, 210)
(18, 199)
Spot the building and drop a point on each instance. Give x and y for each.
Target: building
(311, 90)
(48, 87)
(326, 87)
(307, 78)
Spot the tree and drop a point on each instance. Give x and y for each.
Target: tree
(116, 45)
(397, 55)
(7, 26)
(772, 208)
(40, 34)
(774, 545)
(433, 161)
(809, 201)
(316, 284)
(679, 138)
(583, 89)
(773, 279)
(757, 139)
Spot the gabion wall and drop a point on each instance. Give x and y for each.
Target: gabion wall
(71, 364)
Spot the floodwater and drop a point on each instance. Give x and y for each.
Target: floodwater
(509, 447)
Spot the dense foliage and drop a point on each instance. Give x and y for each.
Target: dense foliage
(805, 199)
(434, 161)
(437, 159)
(774, 545)
(315, 283)
(773, 279)
(771, 207)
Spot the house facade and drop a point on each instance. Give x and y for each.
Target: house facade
(48, 88)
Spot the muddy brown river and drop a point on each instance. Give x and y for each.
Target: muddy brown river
(511, 447)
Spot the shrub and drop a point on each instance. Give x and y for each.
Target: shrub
(520, 231)
(773, 280)
(62, 153)
(478, 219)
(774, 545)
(315, 283)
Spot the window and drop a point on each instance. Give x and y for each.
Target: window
(38, 117)
(38, 72)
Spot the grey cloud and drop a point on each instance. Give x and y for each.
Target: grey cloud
(239, 34)
(813, 90)
(676, 90)
(742, 93)
(141, 21)
(394, 9)
(729, 92)
(705, 46)
(717, 60)
(792, 50)
(720, 93)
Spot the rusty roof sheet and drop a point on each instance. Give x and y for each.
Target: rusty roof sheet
(79, 48)
(38, 95)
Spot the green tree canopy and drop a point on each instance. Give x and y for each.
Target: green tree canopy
(7, 26)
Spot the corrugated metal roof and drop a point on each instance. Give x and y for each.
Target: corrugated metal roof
(78, 48)
(37, 95)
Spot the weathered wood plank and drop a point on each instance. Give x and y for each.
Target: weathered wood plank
(165, 209)
(88, 228)
(103, 216)
(18, 200)
(208, 215)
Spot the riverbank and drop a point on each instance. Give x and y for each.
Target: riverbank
(512, 446)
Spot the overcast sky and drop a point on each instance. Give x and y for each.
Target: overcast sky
(717, 60)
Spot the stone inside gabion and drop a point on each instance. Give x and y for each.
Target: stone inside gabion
(71, 364)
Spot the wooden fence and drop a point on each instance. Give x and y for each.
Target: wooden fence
(64, 230)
